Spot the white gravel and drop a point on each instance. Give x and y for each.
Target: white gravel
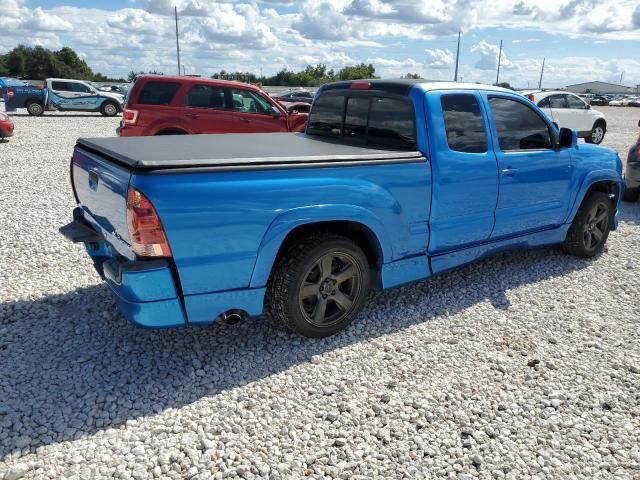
(526, 365)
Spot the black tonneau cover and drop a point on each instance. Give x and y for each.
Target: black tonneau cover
(239, 151)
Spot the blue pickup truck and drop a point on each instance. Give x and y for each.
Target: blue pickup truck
(64, 95)
(392, 182)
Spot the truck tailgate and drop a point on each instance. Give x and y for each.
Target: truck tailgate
(101, 189)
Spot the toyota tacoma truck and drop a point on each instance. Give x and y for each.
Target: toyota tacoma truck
(64, 95)
(392, 182)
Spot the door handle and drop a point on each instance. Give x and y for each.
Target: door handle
(192, 115)
(509, 172)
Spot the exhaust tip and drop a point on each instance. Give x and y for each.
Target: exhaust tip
(232, 317)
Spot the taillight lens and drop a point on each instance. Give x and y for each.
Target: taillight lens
(130, 117)
(360, 86)
(145, 230)
(531, 97)
(10, 94)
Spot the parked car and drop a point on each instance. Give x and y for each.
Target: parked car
(375, 194)
(632, 173)
(6, 126)
(619, 102)
(295, 96)
(64, 95)
(162, 105)
(299, 107)
(570, 111)
(599, 100)
(634, 102)
(120, 89)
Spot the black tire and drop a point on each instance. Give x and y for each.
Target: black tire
(631, 194)
(327, 304)
(109, 109)
(597, 133)
(590, 227)
(34, 108)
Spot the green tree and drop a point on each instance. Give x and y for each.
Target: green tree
(358, 72)
(505, 85)
(413, 76)
(4, 70)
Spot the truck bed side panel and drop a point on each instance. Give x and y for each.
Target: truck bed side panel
(216, 221)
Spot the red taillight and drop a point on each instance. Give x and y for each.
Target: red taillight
(130, 117)
(10, 93)
(145, 230)
(360, 85)
(531, 97)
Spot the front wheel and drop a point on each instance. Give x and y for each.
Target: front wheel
(109, 109)
(319, 285)
(597, 134)
(590, 227)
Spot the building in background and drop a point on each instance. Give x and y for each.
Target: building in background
(601, 87)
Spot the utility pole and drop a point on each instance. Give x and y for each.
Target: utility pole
(621, 75)
(175, 10)
(455, 77)
(499, 59)
(541, 73)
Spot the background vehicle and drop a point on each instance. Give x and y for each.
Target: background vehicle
(570, 111)
(6, 126)
(632, 173)
(161, 105)
(374, 195)
(64, 95)
(120, 89)
(295, 96)
(599, 100)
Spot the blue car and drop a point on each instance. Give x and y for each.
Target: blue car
(393, 182)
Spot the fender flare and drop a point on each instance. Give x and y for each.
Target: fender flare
(588, 181)
(284, 223)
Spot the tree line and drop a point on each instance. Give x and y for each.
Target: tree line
(38, 63)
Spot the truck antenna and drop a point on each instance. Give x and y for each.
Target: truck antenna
(455, 77)
(499, 59)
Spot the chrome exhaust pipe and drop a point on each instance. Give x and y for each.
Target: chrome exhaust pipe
(232, 317)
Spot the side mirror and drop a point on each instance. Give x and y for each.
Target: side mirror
(568, 138)
(275, 112)
(588, 106)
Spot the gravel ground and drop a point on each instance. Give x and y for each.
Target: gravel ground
(525, 365)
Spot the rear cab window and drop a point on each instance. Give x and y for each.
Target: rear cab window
(157, 93)
(371, 119)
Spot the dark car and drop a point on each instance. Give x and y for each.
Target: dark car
(6, 126)
(599, 100)
(632, 173)
(295, 96)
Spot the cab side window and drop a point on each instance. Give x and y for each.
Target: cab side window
(519, 127)
(61, 86)
(463, 123)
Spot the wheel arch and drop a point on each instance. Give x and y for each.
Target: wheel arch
(283, 232)
(32, 99)
(599, 181)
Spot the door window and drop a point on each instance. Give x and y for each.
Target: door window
(558, 101)
(249, 102)
(206, 96)
(80, 87)
(575, 103)
(61, 86)
(518, 126)
(463, 123)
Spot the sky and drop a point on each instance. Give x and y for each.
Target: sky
(582, 40)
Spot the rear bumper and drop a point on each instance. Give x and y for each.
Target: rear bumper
(145, 291)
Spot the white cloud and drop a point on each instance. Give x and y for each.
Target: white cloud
(439, 58)
(488, 54)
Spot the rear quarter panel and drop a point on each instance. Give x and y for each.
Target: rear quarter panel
(219, 223)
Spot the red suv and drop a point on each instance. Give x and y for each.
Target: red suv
(160, 105)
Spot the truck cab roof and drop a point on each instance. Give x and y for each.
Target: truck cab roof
(403, 86)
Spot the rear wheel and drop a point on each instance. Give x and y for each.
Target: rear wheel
(597, 133)
(319, 285)
(590, 227)
(35, 108)
(109, 109)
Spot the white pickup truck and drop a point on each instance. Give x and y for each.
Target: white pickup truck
(65, 95)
